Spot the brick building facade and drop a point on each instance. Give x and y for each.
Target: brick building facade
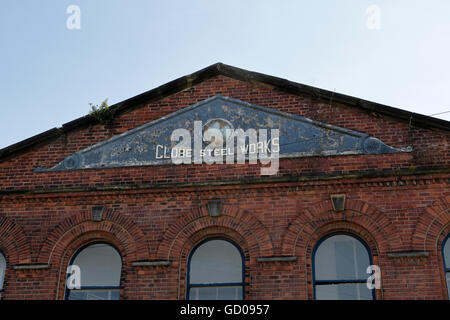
(392, 194)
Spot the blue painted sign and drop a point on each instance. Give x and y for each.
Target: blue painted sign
(151, 144)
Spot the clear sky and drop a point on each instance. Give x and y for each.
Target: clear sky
(396, 53)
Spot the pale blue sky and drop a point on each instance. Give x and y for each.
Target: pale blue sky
(49, 74)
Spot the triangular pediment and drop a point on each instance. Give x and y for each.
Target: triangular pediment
(150, 143)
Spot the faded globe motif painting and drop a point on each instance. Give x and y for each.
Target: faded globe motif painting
(224, 126)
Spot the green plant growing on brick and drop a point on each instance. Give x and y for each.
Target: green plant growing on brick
(103, 113)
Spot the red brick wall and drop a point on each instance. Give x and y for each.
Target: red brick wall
(391, 213)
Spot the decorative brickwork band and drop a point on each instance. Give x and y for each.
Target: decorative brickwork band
(14, 243)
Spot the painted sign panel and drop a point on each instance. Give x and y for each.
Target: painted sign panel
(151, 144)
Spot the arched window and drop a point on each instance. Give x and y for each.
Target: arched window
(340, 263)
(216, 271)
(446, 258)
(2, 271)
(100, 266)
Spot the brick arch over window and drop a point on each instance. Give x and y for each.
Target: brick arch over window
(347, 227)
(356, 212)
(250, 253)
(433, 226)
(241, 221)
(83, 240)
(126, 231)
(13, 242)
(342, 227)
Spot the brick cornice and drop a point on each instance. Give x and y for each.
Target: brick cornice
(216, 187)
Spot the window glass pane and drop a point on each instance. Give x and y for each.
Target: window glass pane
(448, 283)
(100, 266)
(447, 253)
(208, 293)
(216, 293)
(193, 294)
(344, 260)
(341, 257)
(2, 271)
(216, 261)
(94, 294)
(230, 293)
(347, 291)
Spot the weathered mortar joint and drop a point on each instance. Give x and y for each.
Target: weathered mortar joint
(152, 263)
(277, 259)
(408, 254)
(31, 266)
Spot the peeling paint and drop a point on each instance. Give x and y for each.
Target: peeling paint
(299, 136)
